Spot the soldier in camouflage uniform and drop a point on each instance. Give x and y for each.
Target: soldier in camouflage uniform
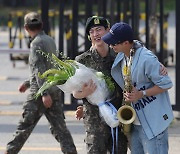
(49, 103)
(99, 57)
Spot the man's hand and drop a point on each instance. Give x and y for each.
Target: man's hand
(133, 96)
(79, 112)
(163, 70)
(47, 101)
(87, 89)
(22, 88)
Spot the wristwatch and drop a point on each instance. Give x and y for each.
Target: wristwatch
(144, 93)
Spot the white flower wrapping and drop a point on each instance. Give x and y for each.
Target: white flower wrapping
(98, 97)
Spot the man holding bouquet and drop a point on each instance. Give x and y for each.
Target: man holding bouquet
(100, 58)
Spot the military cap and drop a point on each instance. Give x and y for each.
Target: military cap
(32, 18)
(96, 21)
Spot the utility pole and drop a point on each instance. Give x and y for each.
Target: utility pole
(88, 10)
(61, 26)
(176, 107)
(161, 21)
(44, 15)
(147, 23)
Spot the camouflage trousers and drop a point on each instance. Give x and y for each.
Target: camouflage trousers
(33, 111)
(102, 143)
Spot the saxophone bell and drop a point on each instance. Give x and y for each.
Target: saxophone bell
(126, 114)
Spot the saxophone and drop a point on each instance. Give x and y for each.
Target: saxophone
(126, 114)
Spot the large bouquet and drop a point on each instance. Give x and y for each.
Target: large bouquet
(70, 75)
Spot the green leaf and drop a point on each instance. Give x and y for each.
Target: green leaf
(44, 87)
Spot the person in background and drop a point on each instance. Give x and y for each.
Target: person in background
(48, 103)
(149, 96)
(100, 58)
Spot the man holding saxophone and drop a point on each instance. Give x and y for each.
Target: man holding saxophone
(149, 95)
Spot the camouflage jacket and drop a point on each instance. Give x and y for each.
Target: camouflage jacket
(37, 62)
(93, 60)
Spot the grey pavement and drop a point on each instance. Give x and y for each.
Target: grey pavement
(40, 141)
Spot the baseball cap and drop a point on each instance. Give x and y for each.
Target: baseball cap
(96, 21)
(32, 18)
(119, 32)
